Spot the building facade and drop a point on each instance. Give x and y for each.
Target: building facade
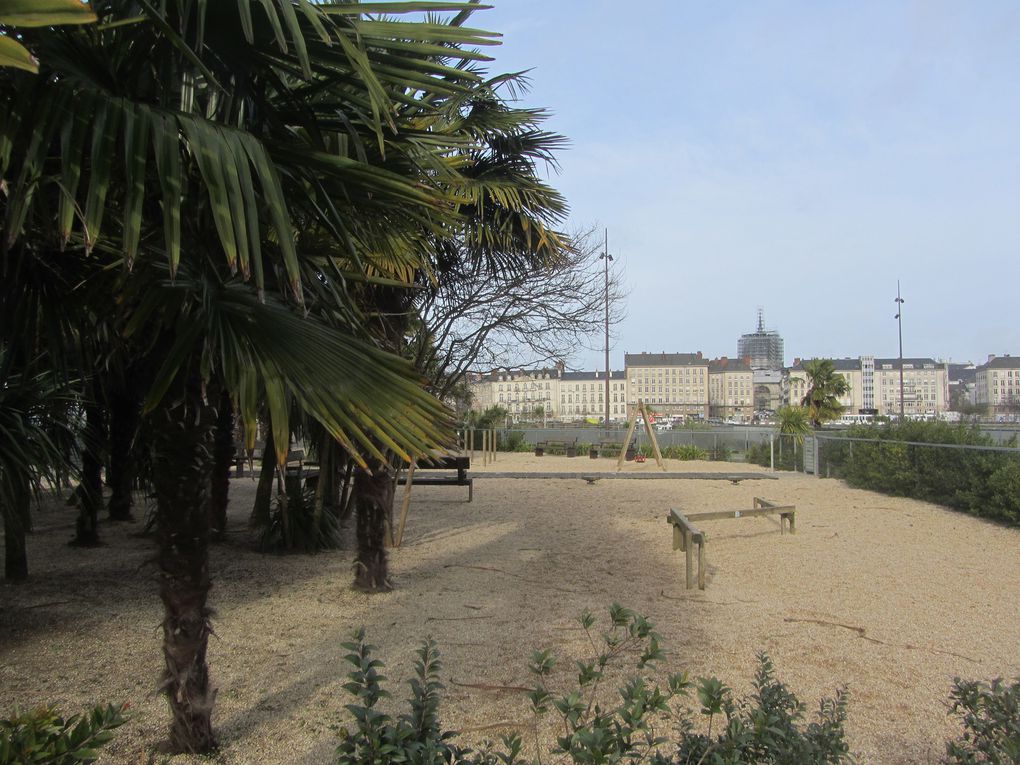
(673, 384)
(550, 394)
(730, 389)
(875, 386)
(997, 386)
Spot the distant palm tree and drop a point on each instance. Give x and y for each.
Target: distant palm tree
(793, 421)
(825, 386)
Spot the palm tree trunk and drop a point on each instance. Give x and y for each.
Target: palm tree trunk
(373, 501)
(15, 549)
(223, 455)
(124, 417)
(261, 511)
(90, 491)
(183, 441)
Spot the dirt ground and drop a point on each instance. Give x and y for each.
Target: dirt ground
(892, 597)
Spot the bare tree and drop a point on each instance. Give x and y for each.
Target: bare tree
(477, 323)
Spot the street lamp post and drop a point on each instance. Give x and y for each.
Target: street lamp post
(899, 322)
(607, 257)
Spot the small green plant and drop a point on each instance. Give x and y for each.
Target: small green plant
(990, 713)
(43, 736)
(594, 725)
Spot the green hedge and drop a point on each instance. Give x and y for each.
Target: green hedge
(982, 483)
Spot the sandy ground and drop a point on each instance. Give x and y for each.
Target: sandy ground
(892, 597)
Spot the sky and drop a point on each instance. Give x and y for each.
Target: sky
(800, 157)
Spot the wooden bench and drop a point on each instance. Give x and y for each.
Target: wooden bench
(787, 514)
(460, 463)
(569, 447)
(686, 534)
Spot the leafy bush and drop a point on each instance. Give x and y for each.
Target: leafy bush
(767, 726)
(42, 736)
(991, 721)
(983, 483)
(685, 452)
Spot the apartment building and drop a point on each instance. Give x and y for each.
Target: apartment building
(925, 387)
(849, 369)
(582, 396)
(551, 394)
(524, 393)
(997, 385)
(875, 386)
(730, 389)
(674, 384)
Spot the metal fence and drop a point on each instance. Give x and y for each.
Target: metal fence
(831, 452)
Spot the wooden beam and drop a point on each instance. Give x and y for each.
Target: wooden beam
(758, 511)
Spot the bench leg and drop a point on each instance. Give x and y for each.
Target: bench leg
(701, 565)
(678, 539)
(689, 559)
(792, 527)
(471, 489)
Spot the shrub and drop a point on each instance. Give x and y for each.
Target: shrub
(294, 525)
(991, 722)
(685, 452)
(767, 726)
(42, 736)
(983, 483)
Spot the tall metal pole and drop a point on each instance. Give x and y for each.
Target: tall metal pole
(607, 257)
(899, 321)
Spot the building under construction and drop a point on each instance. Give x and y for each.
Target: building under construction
(762, 348)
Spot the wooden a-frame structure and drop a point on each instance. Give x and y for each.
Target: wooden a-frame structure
(631, 423)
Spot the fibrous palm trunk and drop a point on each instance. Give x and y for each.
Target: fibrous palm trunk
(262, 509)
(89, 493)
(373, 502)
(223, 457)
(124, 415)
(183, 436)
(15, 550)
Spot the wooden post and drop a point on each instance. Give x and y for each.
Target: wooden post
(631, 423)
(651, 435)
(406, 504)
(772, 452)
(678, 538)
(701, 564)
(494, 441)
(689, 558)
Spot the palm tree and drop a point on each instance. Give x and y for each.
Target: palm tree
(180, 147)
(793, 421)
(825, 386)
(37, 439)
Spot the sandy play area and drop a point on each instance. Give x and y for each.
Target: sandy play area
(892, 597)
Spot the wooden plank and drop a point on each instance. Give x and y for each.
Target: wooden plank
(755, 512)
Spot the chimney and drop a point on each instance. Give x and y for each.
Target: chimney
(699, 354)
(991, 358)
